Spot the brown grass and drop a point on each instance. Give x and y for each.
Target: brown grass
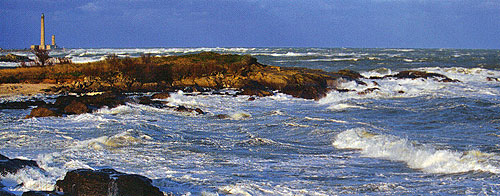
(143, 69)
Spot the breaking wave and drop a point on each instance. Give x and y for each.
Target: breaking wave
(416, 156)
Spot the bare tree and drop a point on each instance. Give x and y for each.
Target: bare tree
(42, 57)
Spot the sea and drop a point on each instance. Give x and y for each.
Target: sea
(410, 137)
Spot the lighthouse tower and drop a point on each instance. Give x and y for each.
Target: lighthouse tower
(42, 45)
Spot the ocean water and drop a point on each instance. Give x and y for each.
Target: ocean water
(434, 139)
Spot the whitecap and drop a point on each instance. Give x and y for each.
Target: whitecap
(123, 139)
(422, 157)
(29, 179)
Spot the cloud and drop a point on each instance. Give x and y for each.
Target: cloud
(90, 7)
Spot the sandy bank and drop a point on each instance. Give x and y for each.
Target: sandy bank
(23, 89)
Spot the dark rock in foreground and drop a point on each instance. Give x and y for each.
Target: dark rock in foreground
(105, 182)
(13, 165)
(42, 193)
(5, 193)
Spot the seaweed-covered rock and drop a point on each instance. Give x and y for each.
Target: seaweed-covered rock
(106, 182)
(13, 165)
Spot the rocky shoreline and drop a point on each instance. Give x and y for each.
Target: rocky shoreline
(106, 83)
(81, 182)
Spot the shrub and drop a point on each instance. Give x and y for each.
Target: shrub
(42, 57)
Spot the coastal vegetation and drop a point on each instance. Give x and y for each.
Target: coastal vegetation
(206, 70)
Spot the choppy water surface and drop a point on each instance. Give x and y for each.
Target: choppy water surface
(435, 138)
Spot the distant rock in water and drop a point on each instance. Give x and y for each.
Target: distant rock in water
(106, 182)
(412, 74)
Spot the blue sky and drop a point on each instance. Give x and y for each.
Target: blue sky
(253, 23)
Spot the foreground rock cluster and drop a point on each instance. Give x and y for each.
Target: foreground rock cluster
(309, 84)
(85, 182)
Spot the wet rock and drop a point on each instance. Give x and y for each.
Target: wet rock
(182, 109)
(350, 74)
(199, 111)
(343, 90)
(493, 79)
(256, 92)
(76, 107)
(145, 100)
(42, 112)
(105, 182)
(368, 90)
(306, 92)
(162, 95)
(222, 116)
(21, 105)
(411, 74)
(110, 100)
(13, 165)
(42, 193)
(251, 99)
(6, 193)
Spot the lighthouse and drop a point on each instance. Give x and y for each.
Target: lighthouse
(42, 45)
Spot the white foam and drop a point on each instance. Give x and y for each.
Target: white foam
(240, 116)
(123, 139)
(422, 157)
(248, 189)
(30, 179)
(122, 109)
(344, 106)
(321, 119)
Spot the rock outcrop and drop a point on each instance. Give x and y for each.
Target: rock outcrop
(106, 182)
